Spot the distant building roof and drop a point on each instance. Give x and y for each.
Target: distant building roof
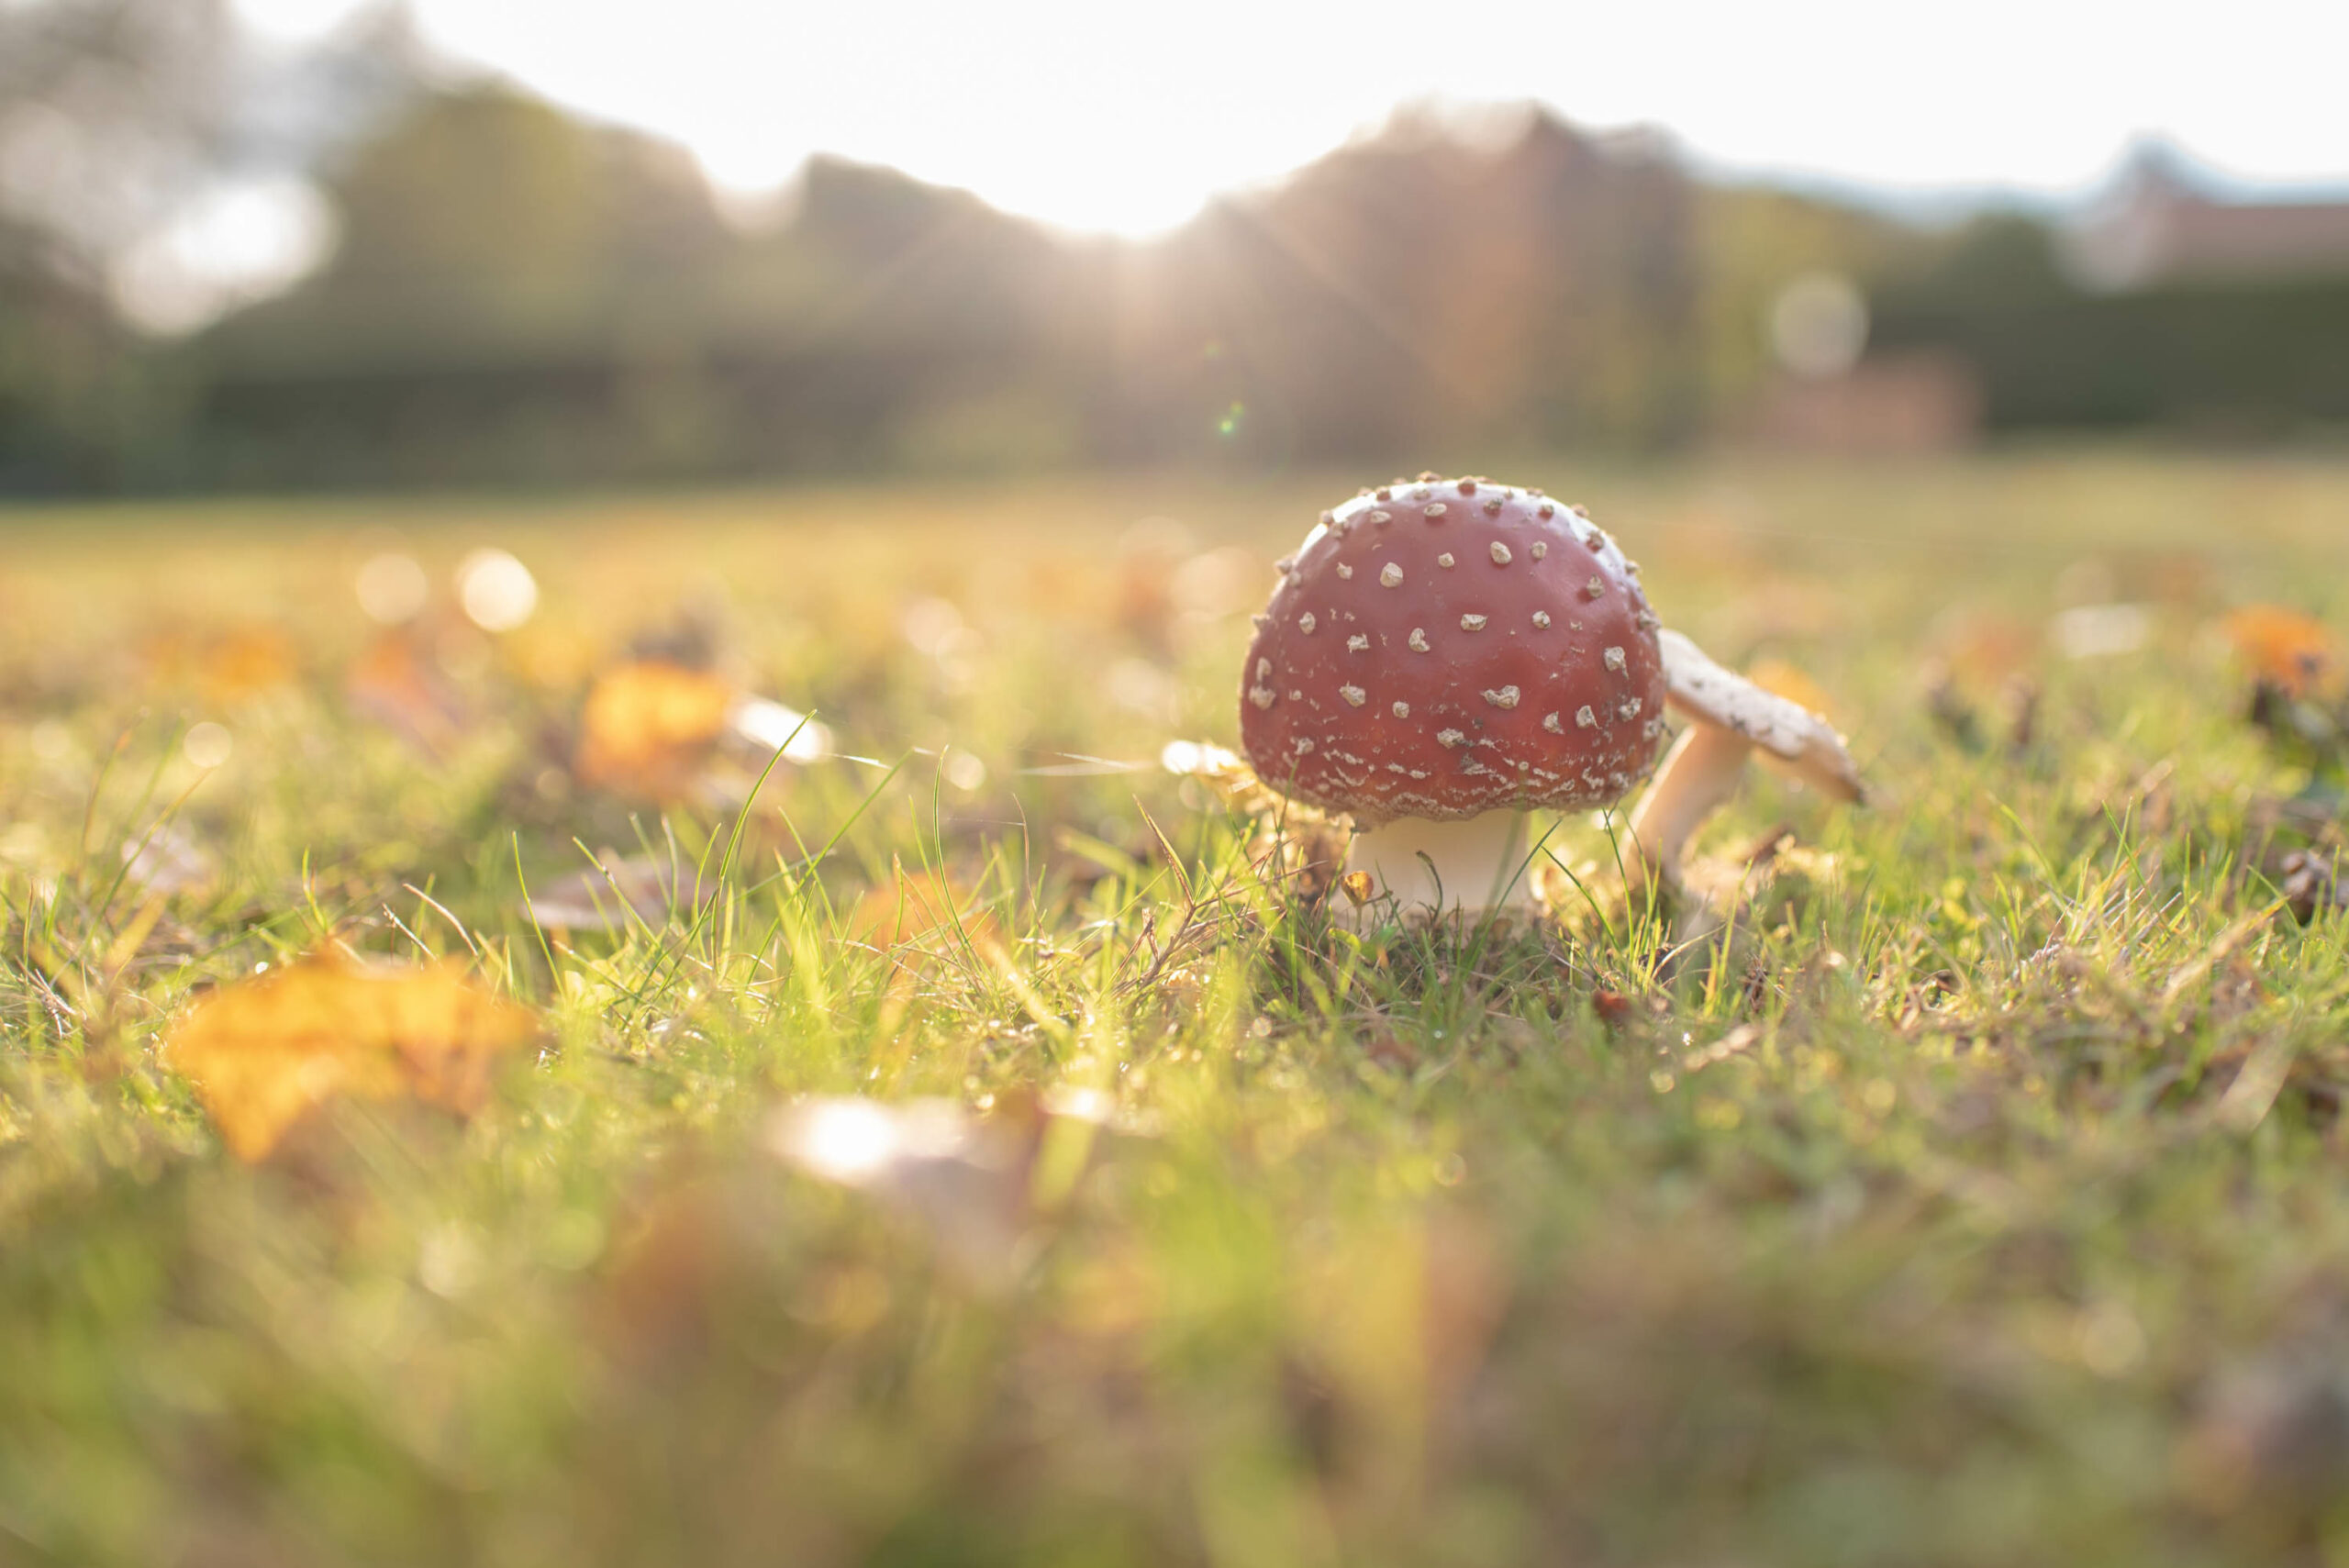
(2164, 221)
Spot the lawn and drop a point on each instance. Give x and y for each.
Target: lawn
(1962, 1184)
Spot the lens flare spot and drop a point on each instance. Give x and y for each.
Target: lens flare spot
(208, 744)
(497, 592)
(391, 588)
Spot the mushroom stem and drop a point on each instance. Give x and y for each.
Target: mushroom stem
(1697, 777)
(1471, 865)
(1728, 717)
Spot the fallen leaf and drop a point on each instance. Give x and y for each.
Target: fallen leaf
(263, 1051)
(248, 661)
(648, 727)
(2297, 653)
(911, 906)
(226, 667)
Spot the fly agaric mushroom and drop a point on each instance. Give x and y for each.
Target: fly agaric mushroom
(1441, 656)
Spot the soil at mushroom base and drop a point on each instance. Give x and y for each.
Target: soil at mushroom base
(1441, 656)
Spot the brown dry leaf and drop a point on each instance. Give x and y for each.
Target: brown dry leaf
(649, 727)
(264, 1051)
(2297, 653)
(916, 908)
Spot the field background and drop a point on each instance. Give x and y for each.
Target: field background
(1972, 1196)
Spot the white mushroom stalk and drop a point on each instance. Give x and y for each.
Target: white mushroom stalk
(1476, 867)
(1730, 718)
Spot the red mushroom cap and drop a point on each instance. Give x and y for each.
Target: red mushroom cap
(1443, 648)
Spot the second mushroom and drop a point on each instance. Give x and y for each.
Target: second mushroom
(1441, 656)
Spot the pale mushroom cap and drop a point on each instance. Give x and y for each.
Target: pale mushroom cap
(1789, 736)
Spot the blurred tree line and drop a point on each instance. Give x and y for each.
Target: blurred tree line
(103, 106)
(2230, 358)
(515, 294)
(518, 294)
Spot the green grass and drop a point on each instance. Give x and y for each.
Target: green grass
(1973, 1195)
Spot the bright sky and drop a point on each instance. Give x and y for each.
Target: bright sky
(1115, 115)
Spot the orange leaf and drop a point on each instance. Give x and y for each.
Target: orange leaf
(263, 1051)
(225, 668)
(246, 661)
(2295, 652)
(912, 906)
(649, 727)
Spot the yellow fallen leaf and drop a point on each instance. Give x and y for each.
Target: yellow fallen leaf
(649, 727)
(263, 1051)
